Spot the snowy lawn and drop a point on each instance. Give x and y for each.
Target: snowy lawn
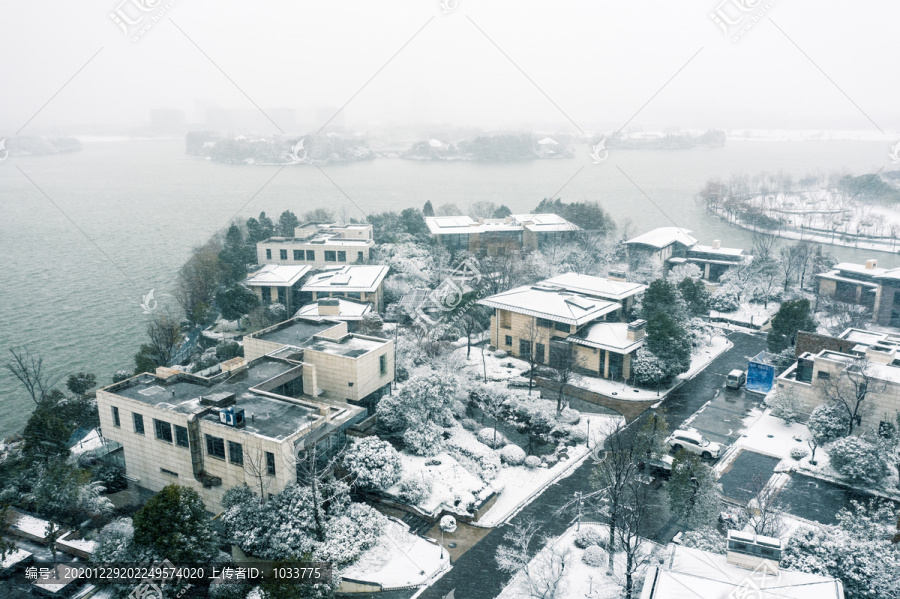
(29, 526)
(700, 360)
(399, 559)
(579, 579)
(448, 480)
(15, 557)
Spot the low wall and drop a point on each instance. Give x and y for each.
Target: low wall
(630, 409)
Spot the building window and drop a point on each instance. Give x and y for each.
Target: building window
(342, 256)
(298, 255)
(215, 447)
(235, 453)
(382, 363)
(282, 254)
(508, 340)
(359, 257)
(310, 255)
(115, 414)
(543, 322)
(169, 472)
(270, 463)
(138, 423)
(330, 256)
(163, 430)
(822, 374)
(539, 353)
(268, 254)
(181, 436)
(561, 326)
(524, 349)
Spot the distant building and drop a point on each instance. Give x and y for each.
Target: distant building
(667, 247)
(318, 245)
(571, 316)
(748, 569)
(867, 285)
(276, 283)
(878, 352)
(495, 236)
(362, 283)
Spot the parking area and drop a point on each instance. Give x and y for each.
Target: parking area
(738, 479)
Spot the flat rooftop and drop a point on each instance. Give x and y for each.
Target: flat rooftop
(266, 416)
(611, 336)
(540, 223)
(355, 278)
(322, 239)
(664, 236)
(350, 346)
(276, 275)
(295, 332)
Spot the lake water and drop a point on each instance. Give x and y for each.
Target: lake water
(120, 217)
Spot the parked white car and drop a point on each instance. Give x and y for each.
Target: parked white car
(694, 443)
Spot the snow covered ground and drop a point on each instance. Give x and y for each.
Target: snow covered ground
(448, 480)
(399, 559)
(579, 579)
(91, 441)
(749, 314)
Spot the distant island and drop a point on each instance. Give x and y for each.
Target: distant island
(41, 146)
(309, 149)
(664, 141)
(492, 148)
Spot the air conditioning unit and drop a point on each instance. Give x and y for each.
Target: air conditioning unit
(231, 417)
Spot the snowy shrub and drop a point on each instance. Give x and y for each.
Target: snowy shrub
(458, 408)
(533, 461)
(492, 438)
(588, 536)
(277, 312)
(512, 455)
(500, 354)
(594, 556)
(464, 500)
(469, 424)
(799, 452)
(423, 399)
(113, 541)
(121, 375)
(413, 489)
(425, 440)
(859, 460)
(374, 463)
(649, 370)
(550, 459)
(785, 404)
(828, 422)
(569, 416)
(485, 461)
(726, 299)
(349, 535)
(707, 539)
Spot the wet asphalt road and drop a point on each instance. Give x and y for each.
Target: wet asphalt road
(475, 575)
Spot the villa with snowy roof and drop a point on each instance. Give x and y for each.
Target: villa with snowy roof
(319, 244)
(667, 247)
(748, 569)
(867, 285)
(362, 283)
(877, 353)
(250, 420)
(497, 236)
(572, 316)
(278, 283)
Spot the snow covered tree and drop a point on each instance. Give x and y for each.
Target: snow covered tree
(850, 389)
(649, 370)
(827, 422)
(421, 405)
(542, 574)
(373, 463)
(706, 539)
(633, 529)
(693, 492)
(763, 511)
(858, 551)
(785, 404)
(859, 460)
(175, 525)
(694, 292)
(287, 222)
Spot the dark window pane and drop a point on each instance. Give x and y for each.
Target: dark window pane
(298, 254)
(282, 254)
(138, 423)
(268, 254)
(270, 463)
(215, 447)
(163, 430)
(181, 436)
(235, 453)
(342, 256)
(310, 255)
(330, 256)
(115, 414)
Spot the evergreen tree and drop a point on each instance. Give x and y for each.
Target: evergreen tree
(174, 524)
(792, 316)
(287, 222)
(80, 383)
(693, 492)
(502, 212)
(428, 209)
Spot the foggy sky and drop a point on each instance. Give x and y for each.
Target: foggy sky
(599, 61)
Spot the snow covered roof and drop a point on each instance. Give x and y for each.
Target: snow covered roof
(551, 303)
(595, 286)
(611, 336)
(860, 269)
(708, 249)
(354, 278)
(664, 236)
(548, 141)
(347, 310)
(692, 573)
(539, 223)
(277, 275)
